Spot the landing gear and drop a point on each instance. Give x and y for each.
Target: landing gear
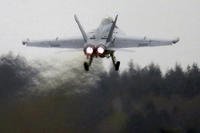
(116, 64)
(109, 53)
(88, 64)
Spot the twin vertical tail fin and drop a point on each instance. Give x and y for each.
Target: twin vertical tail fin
(81, 28)
(109, 38)
(112, 30)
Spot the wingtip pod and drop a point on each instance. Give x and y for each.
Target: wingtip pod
(176, 40)
(25, 42)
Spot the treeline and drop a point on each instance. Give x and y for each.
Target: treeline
(141, 100)
(156, 102)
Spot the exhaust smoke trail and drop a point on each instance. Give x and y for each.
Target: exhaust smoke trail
(67, 74)
(18, 76)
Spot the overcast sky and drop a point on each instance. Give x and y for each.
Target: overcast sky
(47, 19)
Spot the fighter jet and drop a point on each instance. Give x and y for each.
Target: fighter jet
(101, 42)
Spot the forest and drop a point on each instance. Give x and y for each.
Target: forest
(137, 100)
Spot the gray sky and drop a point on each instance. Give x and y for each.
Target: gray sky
(47, 19)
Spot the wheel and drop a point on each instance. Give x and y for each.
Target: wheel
(86, 66)
(117, 66)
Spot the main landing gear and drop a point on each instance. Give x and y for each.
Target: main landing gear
(116, 64)
(88, 64)
(108, 54)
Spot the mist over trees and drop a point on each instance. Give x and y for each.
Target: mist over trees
(140, 100)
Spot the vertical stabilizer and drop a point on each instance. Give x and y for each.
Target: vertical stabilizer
(112, 30)
(81, 28)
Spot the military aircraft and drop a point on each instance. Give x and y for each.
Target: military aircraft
(101, 42)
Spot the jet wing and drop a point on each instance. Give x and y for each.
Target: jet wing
(74, 43)
(127, 42)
